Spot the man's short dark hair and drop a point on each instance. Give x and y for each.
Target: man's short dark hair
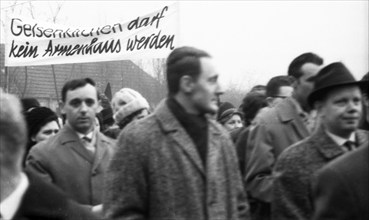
(258, 88)
(251, 104)
(183, 61)
(272, 88)
(74, 84)
(294, 68)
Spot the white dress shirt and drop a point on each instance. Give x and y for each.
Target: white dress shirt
(340, 140)
(11, 204)
(89, 146)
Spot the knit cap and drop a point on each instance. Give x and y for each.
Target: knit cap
(133, 100)
(37, 118)
(226, 111)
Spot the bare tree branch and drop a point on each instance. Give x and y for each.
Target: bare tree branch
(31, 9)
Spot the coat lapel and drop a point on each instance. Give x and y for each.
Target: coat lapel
(174, 129)
(288, 113)
(325, 145)
(71, 140)
(101, 149)
(213, 146)
(362, 138)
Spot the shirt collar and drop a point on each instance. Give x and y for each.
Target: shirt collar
(11, 204)
(339, 140)
(80, 135)
(89, 135)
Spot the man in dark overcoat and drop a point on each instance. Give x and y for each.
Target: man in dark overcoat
(337, 99)
(277, 128)
(178, 163)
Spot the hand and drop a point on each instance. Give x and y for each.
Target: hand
(97, 209)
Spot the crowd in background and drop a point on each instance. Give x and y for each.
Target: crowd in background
(296, 148)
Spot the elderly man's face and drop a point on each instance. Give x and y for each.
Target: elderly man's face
(341, 110)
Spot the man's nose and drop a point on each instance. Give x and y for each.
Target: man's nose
(354, 106)
(84, 107)
(219, 89)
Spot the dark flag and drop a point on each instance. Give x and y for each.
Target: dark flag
(108, 92)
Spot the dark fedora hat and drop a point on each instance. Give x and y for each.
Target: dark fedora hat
(332, 76)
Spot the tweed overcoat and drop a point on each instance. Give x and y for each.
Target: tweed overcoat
(275, 130)
(296, 170)
(157, 173)
(65, 162)
(342, 188)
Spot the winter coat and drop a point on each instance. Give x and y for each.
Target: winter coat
(157, 173)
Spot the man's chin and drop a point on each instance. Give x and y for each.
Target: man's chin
(212, 110)
(83, 129)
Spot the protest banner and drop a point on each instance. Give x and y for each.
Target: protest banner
(30, 42)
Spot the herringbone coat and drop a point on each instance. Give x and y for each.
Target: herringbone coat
(157, 173)
(295, 171)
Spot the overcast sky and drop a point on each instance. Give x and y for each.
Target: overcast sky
(252, 41)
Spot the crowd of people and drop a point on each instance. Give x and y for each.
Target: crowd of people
(296, 148)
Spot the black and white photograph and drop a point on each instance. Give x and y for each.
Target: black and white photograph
(184, 110)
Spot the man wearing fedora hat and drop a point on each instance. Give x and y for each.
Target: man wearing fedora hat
(345, 179)
(337, 99)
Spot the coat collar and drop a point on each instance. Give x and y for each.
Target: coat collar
(171, 126)
(328, 147)
(287, 112)
(70, 138)
(287, 109)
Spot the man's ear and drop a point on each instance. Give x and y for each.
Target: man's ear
(269, 101)
(186, 84)
(295, 83)
(318, 106)
(33, 138)
(62, 105)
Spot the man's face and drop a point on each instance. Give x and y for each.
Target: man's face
(341, 110)
(80, 108)
(304, 87)
(284, 92)
(206, 89)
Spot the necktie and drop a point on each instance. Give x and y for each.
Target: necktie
(349, 145)
(87, 139)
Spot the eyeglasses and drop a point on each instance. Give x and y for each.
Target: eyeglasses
(279, 96)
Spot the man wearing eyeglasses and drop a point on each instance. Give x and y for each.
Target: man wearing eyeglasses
(281, 126)
(278, 88)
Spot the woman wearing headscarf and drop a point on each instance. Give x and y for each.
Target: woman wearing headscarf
(42, 123)
(229, 117)
(128, 105)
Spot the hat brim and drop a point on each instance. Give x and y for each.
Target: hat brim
(320, 93)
